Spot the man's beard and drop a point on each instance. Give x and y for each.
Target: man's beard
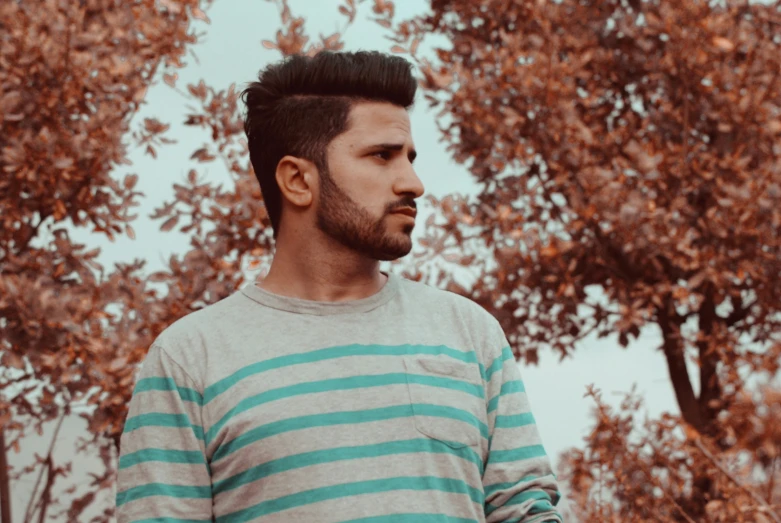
(341, 218)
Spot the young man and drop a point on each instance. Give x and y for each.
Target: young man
(331, 391)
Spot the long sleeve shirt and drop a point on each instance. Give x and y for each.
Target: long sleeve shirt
(406, 406)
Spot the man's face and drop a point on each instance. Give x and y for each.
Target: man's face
(370, 175)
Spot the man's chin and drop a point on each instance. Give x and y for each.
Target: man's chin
(390, 257)
(393, 254)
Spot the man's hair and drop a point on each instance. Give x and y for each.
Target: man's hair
(300, 104)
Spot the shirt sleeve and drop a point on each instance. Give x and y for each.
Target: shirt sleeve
(163, 473)
(518, 481)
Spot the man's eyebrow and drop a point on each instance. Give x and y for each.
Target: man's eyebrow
(394, 147)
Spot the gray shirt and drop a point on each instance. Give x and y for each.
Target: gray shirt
(406, 406)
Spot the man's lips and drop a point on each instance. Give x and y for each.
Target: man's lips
(407, 211)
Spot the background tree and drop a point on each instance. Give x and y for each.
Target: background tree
(72, 75)
(628, 158)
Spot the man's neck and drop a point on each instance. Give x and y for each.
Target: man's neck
(315, 276)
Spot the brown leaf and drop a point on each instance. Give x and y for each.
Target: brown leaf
(170, 79)
(202, 155)
(170, 223)
(549, 251)
(13, 360)
(198, 91)
(130, 181)
(199, 14)
(723, 44)
(414, 46)
(63, 163)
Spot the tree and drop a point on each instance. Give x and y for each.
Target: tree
(72, 75)
(628, 157)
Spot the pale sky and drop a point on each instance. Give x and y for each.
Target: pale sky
(231, 51)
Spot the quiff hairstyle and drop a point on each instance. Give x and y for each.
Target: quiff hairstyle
(299, 105)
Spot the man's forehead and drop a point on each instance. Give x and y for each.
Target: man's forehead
(375, 125)
(373, 115)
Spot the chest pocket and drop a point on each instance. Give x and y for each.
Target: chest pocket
(447, 399)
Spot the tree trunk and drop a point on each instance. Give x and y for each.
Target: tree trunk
(700, 413)
(710, 387)
(5, 488)
(676, 365)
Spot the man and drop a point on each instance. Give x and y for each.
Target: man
(331, 391)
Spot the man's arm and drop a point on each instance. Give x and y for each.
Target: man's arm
(163, 474)
(519, 483)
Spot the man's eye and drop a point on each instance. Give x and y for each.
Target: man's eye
(385, 155)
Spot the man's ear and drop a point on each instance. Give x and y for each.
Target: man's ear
(297, 180)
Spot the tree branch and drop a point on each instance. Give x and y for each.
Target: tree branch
(676, 364)
(762, 503)
(739, 313)
(27, 514)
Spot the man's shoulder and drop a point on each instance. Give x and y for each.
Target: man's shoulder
(186, 339)
(203, 318)
(466, 316)
(449, 298)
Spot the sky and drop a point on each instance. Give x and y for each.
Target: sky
(231, 52)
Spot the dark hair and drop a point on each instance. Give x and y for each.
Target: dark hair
(300, 104)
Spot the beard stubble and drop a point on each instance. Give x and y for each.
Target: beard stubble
(344, 220)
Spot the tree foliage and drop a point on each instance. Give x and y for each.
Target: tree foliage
(72, 75)
(627, 153)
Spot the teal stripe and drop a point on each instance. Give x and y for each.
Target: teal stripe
(318, 457)
(441, 411)
(508, 387)
(168, 384)
(498, 363)
(345, 490)
(439, 381)
(173, 520)
(521, 453)
(334, 384)
(164, 489)
(493, 404)
(482, 372)
(544, 518)
(330, 419)
(159, 419)
(328, 353)
(543, 505)
(412, 518)
(519, 498)
(194, 457)
(517, 420)
(492, 489)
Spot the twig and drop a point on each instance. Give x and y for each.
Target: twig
(5, 498)
(27, 514)
(46, 495)
(669, 498)
(677, 506)
(772, 483)
(756, 497)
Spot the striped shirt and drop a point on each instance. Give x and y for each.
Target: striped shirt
(406, 406)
